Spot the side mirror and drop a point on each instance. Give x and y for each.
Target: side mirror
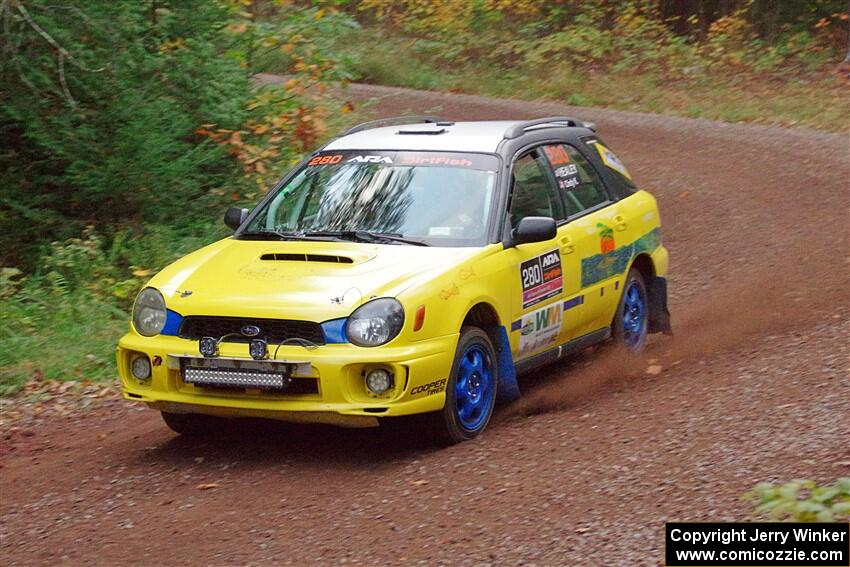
(535, 229)
(234, 217)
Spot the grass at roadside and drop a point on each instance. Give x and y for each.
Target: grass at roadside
(69, 337)
(816, 100)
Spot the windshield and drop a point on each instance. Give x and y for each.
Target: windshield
(440, 199)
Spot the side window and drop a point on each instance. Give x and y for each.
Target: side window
(533, 194)
(578, 182)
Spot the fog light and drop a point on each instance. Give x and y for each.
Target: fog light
(141, 368)
(379, 380)
(259, 349)
(208, 346)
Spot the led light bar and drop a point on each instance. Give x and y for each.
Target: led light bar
(236, 378)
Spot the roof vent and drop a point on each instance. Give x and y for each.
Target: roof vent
(289, 257)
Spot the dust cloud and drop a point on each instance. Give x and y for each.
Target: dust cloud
(728, 318)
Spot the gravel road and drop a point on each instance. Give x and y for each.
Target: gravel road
(584, 470)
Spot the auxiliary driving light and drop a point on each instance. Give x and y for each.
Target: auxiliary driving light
(208, 346)
(141, 368)
(259, 349)
(378, 381)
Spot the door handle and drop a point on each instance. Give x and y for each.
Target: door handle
(567, 246)
(620, 222)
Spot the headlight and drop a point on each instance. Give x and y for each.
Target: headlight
(376, 322)
(149, 312)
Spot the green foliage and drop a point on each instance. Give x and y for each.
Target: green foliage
(803, 501)
(126, 128)
(102, 128)
(662, 34)
(733, 64)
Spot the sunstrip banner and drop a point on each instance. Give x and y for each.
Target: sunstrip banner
(464, 160)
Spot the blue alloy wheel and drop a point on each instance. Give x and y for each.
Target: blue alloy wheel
(474, 388)
(635, 315)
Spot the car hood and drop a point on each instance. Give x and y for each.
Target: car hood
(314, 281)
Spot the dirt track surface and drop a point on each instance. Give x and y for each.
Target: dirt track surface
(585, 470)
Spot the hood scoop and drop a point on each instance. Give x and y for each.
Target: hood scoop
(295, 257)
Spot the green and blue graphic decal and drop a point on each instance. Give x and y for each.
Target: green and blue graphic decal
(603, 266)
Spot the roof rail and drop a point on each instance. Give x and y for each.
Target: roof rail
(518, 130)
(391, 121)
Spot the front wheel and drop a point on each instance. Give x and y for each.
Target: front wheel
(631, 323)
(471, 389)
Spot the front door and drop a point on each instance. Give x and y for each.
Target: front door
(544, 280)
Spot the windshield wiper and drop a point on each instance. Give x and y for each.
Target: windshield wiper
(290, 235)
(367, 236)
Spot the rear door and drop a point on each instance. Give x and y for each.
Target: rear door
(590, 233)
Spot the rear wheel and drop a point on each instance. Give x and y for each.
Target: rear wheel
(191, 424)
(471, 389)
(631, 323)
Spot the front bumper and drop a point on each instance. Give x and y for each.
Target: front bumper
(340, 396)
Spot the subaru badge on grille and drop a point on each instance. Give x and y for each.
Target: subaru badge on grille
(250, 330)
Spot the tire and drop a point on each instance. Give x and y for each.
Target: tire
(470, 391)
(191, 424)
(631, 323)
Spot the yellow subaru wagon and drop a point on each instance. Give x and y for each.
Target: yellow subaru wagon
(411, 267)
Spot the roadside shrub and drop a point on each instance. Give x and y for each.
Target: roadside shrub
(803, 501)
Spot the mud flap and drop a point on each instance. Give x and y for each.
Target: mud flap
(508, 389)
(659, 315)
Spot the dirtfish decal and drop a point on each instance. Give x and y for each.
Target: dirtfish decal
(540, 328)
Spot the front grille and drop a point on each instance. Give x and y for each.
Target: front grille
(274, 331)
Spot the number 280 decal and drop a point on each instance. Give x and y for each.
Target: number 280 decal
(329, 159)
(541, 278)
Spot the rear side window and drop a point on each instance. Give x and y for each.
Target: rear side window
(620, 179)
(579, 183)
